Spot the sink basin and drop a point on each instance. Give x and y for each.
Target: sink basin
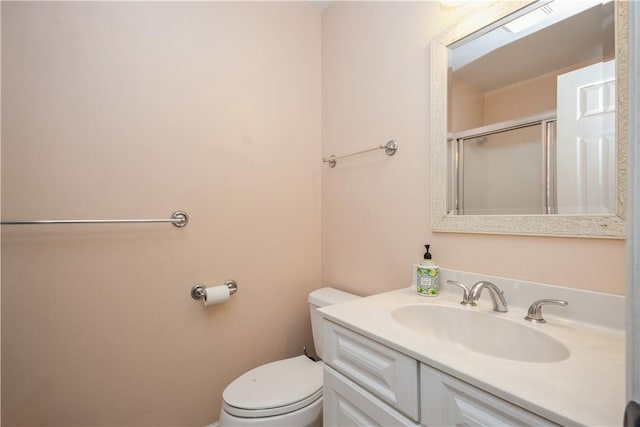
(481, 332)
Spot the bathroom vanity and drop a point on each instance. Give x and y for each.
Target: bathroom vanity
(401, 359)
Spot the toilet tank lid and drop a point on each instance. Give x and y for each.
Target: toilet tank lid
(328, 296)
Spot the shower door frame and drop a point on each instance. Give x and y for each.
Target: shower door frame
(547, 122)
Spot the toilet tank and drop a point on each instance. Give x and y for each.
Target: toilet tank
(321, 298)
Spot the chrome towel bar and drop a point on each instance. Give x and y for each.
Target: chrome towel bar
(389, 148)
(178, 219)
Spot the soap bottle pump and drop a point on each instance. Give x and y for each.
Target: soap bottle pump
(428, 276)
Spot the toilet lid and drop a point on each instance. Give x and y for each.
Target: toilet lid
(275, 388)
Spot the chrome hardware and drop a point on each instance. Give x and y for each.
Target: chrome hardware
(198, 291)
(534, 314)
(465, 292)
(178, 219)
(497, 296)
(389, 148)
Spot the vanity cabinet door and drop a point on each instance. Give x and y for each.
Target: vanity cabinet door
(346, 404)
(447, 401)
(388, 374)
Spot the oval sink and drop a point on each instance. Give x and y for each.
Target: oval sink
(481, 332)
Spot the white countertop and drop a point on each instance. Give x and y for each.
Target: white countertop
(587, 388)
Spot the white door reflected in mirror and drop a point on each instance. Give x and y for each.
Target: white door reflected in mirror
(586, 147)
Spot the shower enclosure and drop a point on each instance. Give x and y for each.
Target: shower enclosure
(506, 168)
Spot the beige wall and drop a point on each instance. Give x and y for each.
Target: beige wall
(475, 108)
(116, 110)
(534, 96)
(375, 209)
(468, 102)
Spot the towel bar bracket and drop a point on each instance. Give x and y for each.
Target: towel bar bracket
(180, 219)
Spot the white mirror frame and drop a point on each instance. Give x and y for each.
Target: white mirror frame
(597, 226)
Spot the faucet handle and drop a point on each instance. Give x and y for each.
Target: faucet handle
(534, 314)
(465, 292)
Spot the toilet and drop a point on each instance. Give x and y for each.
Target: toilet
(286, 392)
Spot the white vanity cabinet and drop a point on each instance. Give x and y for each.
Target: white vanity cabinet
(367, 384)
(370, 383)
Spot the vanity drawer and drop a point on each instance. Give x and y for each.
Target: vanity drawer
(447, 401)
(384, 372)
(346, 404)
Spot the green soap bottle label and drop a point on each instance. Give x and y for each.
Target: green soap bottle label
(428, 281)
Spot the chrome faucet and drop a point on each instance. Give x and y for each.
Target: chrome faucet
(534, 314)
(497, 296)
(465, 292)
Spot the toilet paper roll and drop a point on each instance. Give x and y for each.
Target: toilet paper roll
(216, 295)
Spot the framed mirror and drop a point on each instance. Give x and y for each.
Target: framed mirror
(529, 120)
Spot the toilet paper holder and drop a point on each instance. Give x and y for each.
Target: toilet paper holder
(198, 291)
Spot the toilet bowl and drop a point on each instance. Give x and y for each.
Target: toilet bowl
(287, 392)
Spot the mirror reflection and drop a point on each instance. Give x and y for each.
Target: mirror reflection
(531, 113)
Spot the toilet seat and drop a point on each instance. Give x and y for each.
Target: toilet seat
(274, 389)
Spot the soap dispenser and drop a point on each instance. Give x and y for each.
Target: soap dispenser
(428, 276)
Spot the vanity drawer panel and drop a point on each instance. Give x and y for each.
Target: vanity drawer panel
(348, 405)
(386, 373)
(447, 401)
